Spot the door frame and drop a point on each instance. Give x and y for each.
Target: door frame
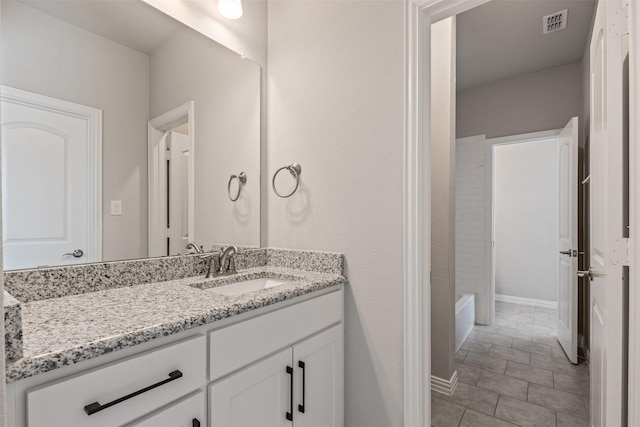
(157, 128)
(93, 117)
(418, 17)
(491, 144)
(634, 215)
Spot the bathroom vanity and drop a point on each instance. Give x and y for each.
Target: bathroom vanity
(112, 345)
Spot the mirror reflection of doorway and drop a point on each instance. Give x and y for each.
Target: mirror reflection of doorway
(51, 186)
(171, 181)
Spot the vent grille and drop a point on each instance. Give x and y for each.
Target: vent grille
(554, 22)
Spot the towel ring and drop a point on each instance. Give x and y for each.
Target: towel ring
(242, 178)
(294, 169)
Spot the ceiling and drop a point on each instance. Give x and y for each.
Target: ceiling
(131, 23)
(503, 39)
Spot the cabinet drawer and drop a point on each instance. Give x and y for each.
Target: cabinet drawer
(188, 412)
(63, 403)
(238, 345)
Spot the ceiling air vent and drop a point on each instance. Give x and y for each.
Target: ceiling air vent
(554, 22)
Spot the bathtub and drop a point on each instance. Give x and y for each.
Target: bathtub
(465, 317)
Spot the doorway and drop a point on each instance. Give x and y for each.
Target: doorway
(171, 181)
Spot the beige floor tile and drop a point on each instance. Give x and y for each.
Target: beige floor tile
(485, 362)
(530, 374)
(468, 374)
(445, 413)
(557, 400)
(472, 418)
(503, 384)
(476, 346)
(512, 354)
(524, 414)
(565, 420)
(475, 398)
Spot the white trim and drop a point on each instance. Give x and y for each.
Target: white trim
(93, 117)
(446, 387)
(418, 17)
(634, 215)
(157, 128)
(527, 301)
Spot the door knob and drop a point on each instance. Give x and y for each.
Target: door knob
(77, 253)
(566, 252)
(591, 273)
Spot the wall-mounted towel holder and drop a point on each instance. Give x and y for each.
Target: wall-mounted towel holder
(242, 179)
(294, 169)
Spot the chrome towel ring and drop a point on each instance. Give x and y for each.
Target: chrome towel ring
(294, 169)
(242, 178)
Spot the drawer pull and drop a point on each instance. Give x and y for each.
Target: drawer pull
(289, 415)
(94, 407)
(304, 375)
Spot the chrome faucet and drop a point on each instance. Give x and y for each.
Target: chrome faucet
(227, 263)
(214, 264)
(195, 247)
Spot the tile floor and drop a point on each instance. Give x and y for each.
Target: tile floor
(515, 374)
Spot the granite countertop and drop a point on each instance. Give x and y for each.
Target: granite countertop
(62, 331)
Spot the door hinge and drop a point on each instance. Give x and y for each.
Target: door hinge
(168, 233)
(167, 154)
(620, 20)
(620, 252)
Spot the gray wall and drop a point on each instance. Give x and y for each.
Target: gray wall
(226, 94)
(443, 327)
(533, 102)
(335, 102)
(48, 56)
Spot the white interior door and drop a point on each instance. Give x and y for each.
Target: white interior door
(178, 146)
(567, 329)
(606, 155)
(48, 184)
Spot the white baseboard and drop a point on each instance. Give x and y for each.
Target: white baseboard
(527, 301)
(447, 387)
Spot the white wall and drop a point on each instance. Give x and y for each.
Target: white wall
(472, 252)
(526, 208)
(48, 56)
(336, 107)
(443, 66)
(530, 103)
(226, 94)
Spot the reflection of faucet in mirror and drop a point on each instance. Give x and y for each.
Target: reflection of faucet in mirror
(227, 263)
(197, 248)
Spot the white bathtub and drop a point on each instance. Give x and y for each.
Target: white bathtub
(465, 317)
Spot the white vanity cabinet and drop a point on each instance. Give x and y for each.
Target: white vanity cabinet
(248, 370)
(301, 385)
(188, 412)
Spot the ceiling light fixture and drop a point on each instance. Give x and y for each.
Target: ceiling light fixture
(231, 9)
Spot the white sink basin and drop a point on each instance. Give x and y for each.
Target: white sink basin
(240, 288)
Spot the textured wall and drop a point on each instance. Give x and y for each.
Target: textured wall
(336, 107)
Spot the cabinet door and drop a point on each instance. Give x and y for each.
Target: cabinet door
(319, 384)
(259, 395)
(188, 412)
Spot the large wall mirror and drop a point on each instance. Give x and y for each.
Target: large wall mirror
(125, 134)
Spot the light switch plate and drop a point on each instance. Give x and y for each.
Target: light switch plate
(116, 207)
